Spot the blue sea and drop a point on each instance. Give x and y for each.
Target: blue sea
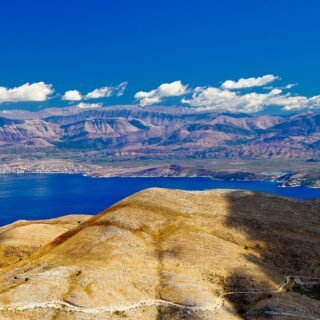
(32, 196)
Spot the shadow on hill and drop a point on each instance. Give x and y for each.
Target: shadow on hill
(282, 239)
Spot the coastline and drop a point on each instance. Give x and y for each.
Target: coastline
(284, 177)
(279, 184)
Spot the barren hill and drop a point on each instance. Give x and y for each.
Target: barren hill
(22, 238)
(169, 254)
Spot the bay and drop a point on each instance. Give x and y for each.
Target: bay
(43, 196)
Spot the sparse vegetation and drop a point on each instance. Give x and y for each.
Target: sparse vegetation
(214, 278)
(120, 314)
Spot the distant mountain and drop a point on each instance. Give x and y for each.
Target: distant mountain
(160, 132)
(169, 255)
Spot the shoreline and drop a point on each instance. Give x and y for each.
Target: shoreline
(93, 176)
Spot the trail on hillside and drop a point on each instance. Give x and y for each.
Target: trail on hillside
(72, 307)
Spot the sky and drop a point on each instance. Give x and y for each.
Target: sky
(239, 55)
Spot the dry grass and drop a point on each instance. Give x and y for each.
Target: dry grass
(184, 248)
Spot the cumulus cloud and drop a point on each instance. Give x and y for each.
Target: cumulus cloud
(38, 91)
(99, 93)
(291, 102)
(104, 92)
(289, 86)
(216, 98)
(107, 91)
(249, 82)
(173, 89)
(72, 95)
(220, 99)
(84, 105)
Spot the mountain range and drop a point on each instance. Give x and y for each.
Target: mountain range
(160, 132)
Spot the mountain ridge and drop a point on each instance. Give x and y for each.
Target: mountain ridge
(162, 132)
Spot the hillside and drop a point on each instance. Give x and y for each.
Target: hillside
(132, 132)
(169, 254)
(20, 239)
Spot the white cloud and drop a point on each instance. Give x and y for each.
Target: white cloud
(220, 99)
(285, 87)
(84, 105)
(226, 98)
(173, 89)
(289, 86)
(215, 98)
(121, 88)
(38, 91)
(99, 93)
(290, 102)
(249, 82)
(104, 92)
(107, 91)
(72, 95)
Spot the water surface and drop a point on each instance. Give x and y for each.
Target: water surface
(42, 196)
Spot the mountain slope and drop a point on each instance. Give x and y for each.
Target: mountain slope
(130, 132)
(18, 240)
(169, 254)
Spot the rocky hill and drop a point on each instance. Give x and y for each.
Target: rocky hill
(160, 132)
(169, 254)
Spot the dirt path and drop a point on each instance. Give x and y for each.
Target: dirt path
(71, 307)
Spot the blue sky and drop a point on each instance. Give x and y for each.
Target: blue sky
(85, 45)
